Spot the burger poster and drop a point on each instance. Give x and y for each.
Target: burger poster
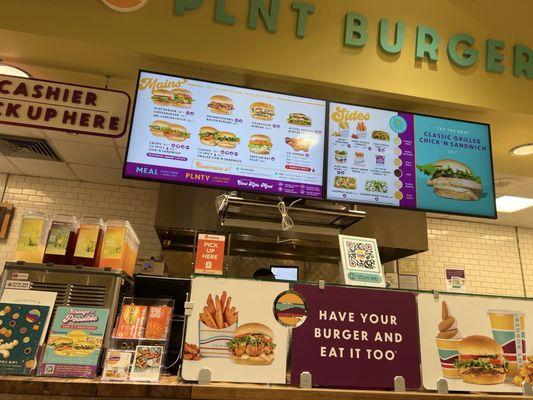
(74, 342)
(233, 331)
(358, 338)
(204, 133)
(478, 344)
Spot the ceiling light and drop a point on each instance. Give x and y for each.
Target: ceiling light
(509, 204)
(523, 150)
(13, 71)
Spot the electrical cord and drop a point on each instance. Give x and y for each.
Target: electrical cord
(286, 220)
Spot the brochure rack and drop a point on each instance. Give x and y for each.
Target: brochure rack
(139, 341)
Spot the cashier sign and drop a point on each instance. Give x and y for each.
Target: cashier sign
(63, 107)
(209, 254)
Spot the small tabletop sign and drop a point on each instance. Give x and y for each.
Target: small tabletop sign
(360, 261)
(209, 254)
(455, 280)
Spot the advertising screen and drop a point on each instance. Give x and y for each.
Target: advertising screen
(208, 134)
(410, 161)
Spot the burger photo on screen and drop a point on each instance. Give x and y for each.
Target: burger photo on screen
(162, 97)
(299, 119)
(227, 139)
(177, 133)
(453, 180)
(181, 98)
(252, 344)
(481, 361)
(260, 144)
(208, 135)
(221, 104)
(263, 111)
(159, 128)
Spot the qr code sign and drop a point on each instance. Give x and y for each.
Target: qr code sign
(49, 369)
(361, 256)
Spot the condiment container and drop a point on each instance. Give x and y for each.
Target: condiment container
(120, 246)
(61, 239)
(89, 242)
(32, 237)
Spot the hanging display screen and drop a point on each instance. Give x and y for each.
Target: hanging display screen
(208, 134)
(410, 161)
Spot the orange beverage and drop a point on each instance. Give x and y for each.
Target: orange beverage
(120, 246)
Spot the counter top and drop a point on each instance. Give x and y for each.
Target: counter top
(171, 388)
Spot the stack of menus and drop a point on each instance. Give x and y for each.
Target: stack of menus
(139, 341)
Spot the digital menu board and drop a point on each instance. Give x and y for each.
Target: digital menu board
(208, 134)
(410, 161)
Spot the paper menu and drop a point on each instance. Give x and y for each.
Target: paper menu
(280, 151)
(31, 297)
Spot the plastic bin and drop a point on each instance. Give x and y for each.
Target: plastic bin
(61, 239)
(32, 237)
(120, 246)
(89, 242)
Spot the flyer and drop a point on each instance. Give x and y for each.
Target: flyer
(412, 161)
(360, 261)
(117, 365)
(34, 297)
(233, 331)
(147, 363)
(477, 343)
(203, 133)
(75, 342)
(356, 337)
(21, 327)
(455, 280)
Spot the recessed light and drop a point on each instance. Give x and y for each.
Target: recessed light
(10, 70)
(509, 204)
(523, 150)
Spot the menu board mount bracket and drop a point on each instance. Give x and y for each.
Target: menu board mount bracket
(527, 389)
(442, 386)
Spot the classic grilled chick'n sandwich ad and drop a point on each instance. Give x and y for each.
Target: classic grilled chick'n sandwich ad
(408, 160)
(215, 135)
(479, 344)
(233, 331)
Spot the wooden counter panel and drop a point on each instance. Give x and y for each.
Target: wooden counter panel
(261, 392)
(167, 388)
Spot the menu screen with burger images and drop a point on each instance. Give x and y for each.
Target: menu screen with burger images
(410, 161)
(214, 135)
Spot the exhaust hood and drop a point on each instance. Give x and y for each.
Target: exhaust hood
(253, 227)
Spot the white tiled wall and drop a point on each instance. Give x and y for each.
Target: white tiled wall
(80, 198)
(488, 253)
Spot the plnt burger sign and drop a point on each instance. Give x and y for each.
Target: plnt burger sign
(63, 107)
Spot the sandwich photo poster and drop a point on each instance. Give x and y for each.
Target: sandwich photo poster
(233, 331)
(479, 344)
(453, 166)
(210, 134)
(74, 342)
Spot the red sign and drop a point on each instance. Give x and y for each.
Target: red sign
(63, 107)
(209, 254)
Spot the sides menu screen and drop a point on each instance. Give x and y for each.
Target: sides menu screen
(409, 161)
(202, 133)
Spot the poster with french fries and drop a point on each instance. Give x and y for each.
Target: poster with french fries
(233, 331)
